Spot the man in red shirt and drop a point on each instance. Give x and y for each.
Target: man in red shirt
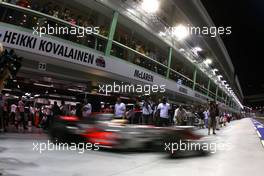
(23, 3)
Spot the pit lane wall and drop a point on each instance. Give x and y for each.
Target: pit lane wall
(54, 48)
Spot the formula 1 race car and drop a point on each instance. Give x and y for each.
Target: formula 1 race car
(108, 132)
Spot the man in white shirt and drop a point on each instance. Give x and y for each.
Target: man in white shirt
(120, 109)
(13, 113)
(164, 108)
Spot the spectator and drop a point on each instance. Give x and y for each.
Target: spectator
(137, 60)
(23, 3)
(17, 118)
(66, 15)
(79, 21)
(212, 117)
(163, 109)
(206, 117)
(78, 112)
(217, 117)
(47, 9)
(138, 46)
(55, 109)
(179, 115)
(146, 111)
(103, 31)
(138, 113)
(120, 109)
(73, 110)
(13, 113)
(152, 55)
(87, 110)
(86, 23)
(64, 108)
(21, 107)
(5, 115)
(107, 109)
(72, 20)
(1, 113)
(31, 112)
(201, 117)
(55, 11)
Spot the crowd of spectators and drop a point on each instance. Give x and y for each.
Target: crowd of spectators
(67, 14)
(22, 113)
(144, 49)
(56, 10)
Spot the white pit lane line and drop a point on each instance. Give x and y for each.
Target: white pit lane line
(256, 126)
(258, 134)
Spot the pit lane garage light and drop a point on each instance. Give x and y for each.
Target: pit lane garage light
(208, 62)
(131, 11)
(8, 90)
(162, 34)
(180, 32)
(215, 70)
(126, 98)
(150, 6)
(28, 94)
(182, 50)
(75, 90)
(198, 49)
(43, 85)
(219, 77)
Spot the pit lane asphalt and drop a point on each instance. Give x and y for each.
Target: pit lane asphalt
(245, 156)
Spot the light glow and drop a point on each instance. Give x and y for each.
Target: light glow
(180, 32)
(208, 61)
(198, 49)
(150, 6)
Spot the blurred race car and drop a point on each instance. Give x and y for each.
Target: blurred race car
(64, 129)
(108, 132)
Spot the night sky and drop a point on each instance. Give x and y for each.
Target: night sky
(246, 44)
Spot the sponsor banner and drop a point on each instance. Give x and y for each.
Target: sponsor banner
(52, 48)
(143, 75)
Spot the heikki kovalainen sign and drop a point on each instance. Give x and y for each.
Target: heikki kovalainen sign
(48, 47)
